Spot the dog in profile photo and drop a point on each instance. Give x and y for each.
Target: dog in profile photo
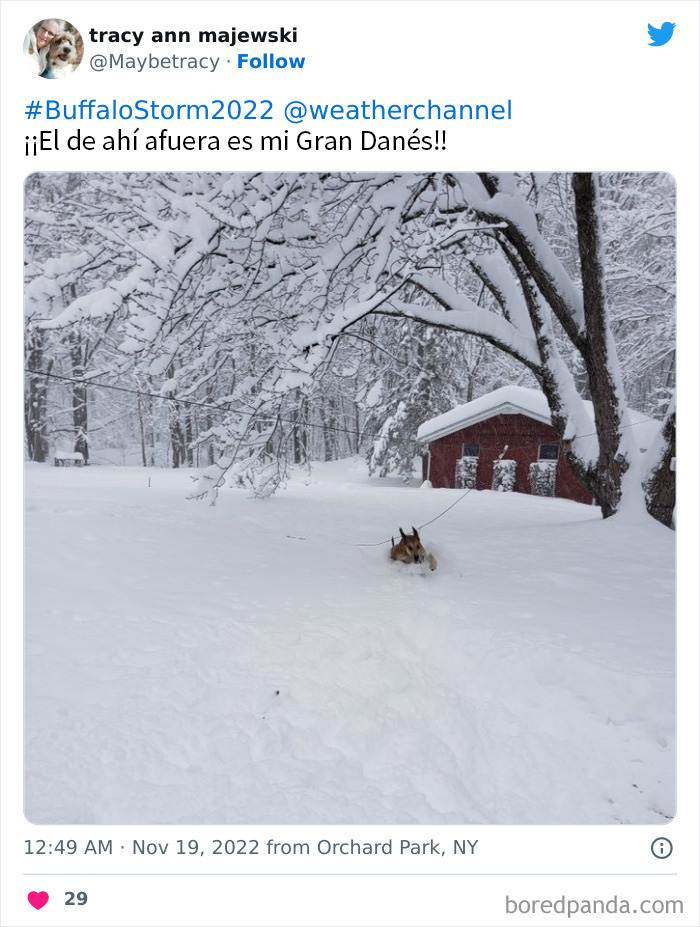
(62, 56)
(410, 550)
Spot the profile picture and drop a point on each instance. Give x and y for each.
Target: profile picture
(53, 48)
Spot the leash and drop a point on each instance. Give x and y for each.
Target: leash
(432, 520)
(425, 524)
(447, 509)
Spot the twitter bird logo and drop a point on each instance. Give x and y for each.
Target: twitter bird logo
(662, 35)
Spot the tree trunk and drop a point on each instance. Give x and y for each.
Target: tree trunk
(80, 414)
(300, 435)
(598, 349)
(35, 408)
(142, 432)
(328, 420)
(177, 441)
(188, 449)
(660, 486)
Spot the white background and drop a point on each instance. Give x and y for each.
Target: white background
(587, 92)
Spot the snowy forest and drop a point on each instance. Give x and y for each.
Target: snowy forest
(245, 324)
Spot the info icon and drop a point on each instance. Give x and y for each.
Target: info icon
(662, 848)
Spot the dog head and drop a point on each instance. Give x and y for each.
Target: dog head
(62, 51)
(409, 549)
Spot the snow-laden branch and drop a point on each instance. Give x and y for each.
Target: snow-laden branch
(459, 313)
(562, 294)
(494, 273)
(103, 302)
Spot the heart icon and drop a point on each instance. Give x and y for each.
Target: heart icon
(38, 899)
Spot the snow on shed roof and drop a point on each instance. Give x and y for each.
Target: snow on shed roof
(517, 400)
(508, 400)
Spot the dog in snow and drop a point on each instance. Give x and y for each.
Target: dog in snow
(410, 550)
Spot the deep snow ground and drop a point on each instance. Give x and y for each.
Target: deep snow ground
(248, 664)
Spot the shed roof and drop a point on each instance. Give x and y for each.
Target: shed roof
(517, 400)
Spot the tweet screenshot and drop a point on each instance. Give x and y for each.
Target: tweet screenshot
(349, 478)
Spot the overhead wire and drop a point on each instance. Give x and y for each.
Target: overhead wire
(220, 408)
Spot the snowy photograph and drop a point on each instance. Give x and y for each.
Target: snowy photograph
(350, 498)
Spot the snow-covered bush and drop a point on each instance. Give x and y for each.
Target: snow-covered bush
(503, 475)
(261, 476)
(543, 477)
(466, 472)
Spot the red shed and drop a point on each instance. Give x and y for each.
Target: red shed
(503, 440)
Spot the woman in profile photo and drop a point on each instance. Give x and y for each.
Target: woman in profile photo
(37, 41)
(53, 48)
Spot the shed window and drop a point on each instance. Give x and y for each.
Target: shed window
(470, 449)
(549, 452)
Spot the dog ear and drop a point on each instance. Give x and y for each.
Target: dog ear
(402, 534)
(415, 531)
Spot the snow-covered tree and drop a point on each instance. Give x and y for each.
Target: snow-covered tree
(242, 291)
